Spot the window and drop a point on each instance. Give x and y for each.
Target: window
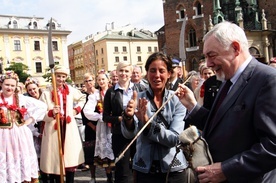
(149, 49)
(124, 49)
(38, 67)
(192, 38)
(55, 46)
(53, 26)
(198, 9)
(17, 45)
(35, 25)
(96, 52)
(139, 59)
(182, 14)
(125, 58)
(138, 49)
(36, 45)
(117, 59)
(102, 61)
(155, 49)
(116, 49)
(15, 25)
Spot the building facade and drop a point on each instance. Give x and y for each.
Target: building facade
(199, 16)
(25, 40)
(106, 49)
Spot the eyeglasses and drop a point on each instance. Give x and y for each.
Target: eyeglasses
(90, 80)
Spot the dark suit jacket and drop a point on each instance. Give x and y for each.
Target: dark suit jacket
(243, 136)
(113, 108)
(175, 86)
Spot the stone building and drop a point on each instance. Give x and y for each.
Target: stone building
(104, 50)
(185, 40)
(25, 40)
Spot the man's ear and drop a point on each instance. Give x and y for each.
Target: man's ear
(237, 47)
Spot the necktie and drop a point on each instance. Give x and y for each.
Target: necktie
(171, 86)
(221, 97)
(223, 94)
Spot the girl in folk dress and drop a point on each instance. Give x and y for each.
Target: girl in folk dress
(18, 159)
(104, 156)
(33, 90)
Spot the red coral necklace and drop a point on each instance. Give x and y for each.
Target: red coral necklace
(13, 106)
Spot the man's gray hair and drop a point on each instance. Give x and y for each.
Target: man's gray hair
(227, 32)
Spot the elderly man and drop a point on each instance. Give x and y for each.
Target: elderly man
(137, 79)
(240, 126)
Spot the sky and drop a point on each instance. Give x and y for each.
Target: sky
(85, 17)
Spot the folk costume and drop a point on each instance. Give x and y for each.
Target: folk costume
(104, 156)
(70, 99)
(18, 159)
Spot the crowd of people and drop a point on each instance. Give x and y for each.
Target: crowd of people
(229, 99)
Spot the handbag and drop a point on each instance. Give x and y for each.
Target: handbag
(195, 150)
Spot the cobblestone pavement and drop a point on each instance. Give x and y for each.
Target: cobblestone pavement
(84, 176)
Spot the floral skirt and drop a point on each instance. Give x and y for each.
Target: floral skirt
(104, 155)
(18, 159)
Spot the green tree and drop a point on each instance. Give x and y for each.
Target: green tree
(20, 69)
(48, 76)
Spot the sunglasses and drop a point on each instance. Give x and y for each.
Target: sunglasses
(90, 80)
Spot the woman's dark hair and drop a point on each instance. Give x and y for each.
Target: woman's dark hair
(159, 56)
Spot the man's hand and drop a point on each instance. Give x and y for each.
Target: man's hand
(210, 173)
(186, 97)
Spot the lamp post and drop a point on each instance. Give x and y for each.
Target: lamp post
(1, 65)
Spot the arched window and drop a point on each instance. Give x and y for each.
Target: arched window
(35, 25)
(181, 13)
(220, 19)
(192, 38)
(15, 25)
(254, 52)
(199, 9)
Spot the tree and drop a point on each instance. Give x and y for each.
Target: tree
(20, 69)
(48, 77)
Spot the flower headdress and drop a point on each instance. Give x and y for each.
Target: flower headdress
(30, 80)
(9, 75)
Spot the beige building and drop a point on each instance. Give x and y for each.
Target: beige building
(25, 40)
(106, 49)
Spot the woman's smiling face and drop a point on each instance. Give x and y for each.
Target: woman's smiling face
(158, 75)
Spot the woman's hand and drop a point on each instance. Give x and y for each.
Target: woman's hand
(131, 106)
(141, 112)
(186, 97)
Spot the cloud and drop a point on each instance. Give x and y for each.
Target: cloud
(87, 17)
